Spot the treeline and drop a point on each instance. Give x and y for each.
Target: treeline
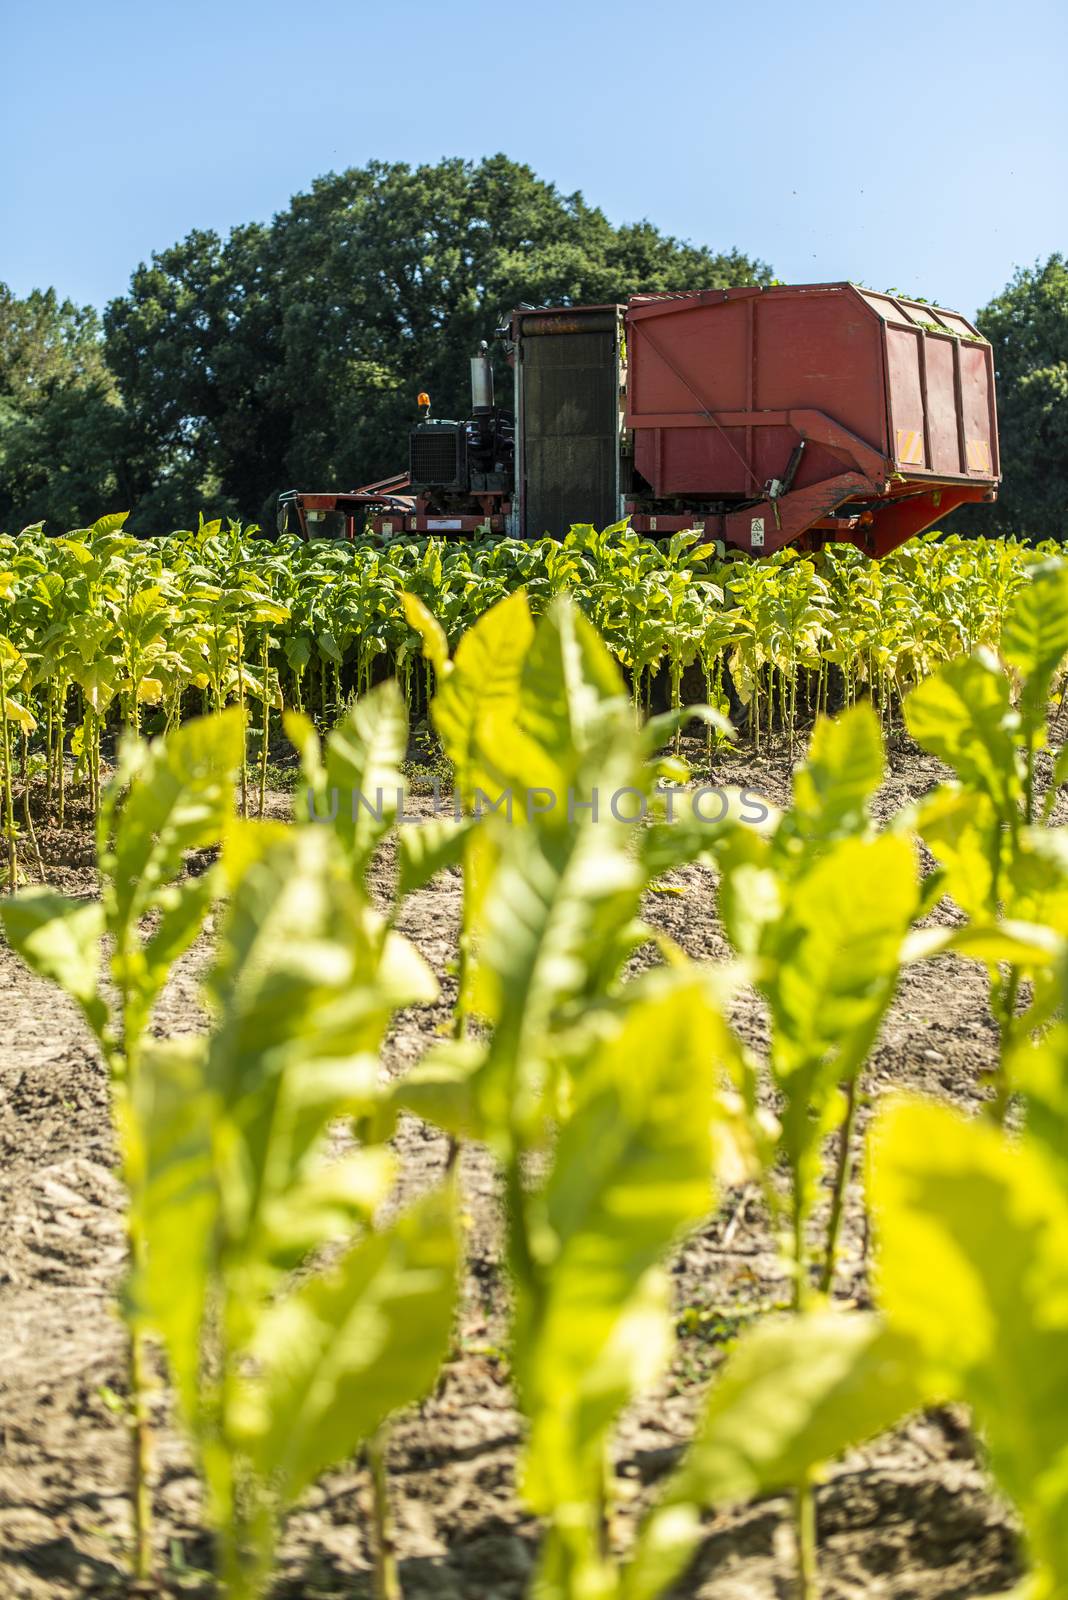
(291, 354)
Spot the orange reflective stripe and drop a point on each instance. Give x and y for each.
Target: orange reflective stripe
(978, 454)
(910, 446)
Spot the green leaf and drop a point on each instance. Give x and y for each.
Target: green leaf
(98, 680)
(478, 700)
(837, 952)
(573, 709)
(1038, 1069)
(963, 715)
(844, 767)
(552, 931)
(298, 652)
(632, 1170)
(427, 849)
(59, 939)
(699, 818)
(1021, 944)
(304, 984)
(1034, 637)
(178, 1208)
(333, 1197)
(427, 626)
(108, 524)
(344, 1351)
(972, 1230)
(363, 770)
(181, 802)
(182, 910)
(962, 829)
(19, 714)
(828, 962)
(794, 1393)
(443, 1086)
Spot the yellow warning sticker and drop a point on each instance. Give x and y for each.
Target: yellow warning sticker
(910, 447)
(978, 453)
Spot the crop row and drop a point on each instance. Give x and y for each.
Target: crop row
(99, 629)
(616, 1110)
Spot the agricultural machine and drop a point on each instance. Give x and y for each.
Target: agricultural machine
(761, 417)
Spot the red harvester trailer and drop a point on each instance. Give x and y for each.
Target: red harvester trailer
(763, 417)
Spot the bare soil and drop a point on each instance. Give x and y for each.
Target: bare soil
(910, 1515)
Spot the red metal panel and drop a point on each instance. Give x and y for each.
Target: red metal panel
(750, 352)
(903, 518)
(942, 408)
(906, 398)
(688, 460)
(976, 384)
(820, 348)
(688, 349)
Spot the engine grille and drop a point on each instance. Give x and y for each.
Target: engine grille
(570, 409)
(436, 457)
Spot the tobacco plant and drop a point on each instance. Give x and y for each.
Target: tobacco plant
(301, 1326)
(972, 1268)
(283, 1355)
(113, 956)
(1003, 868)
(819, 907)
(615, 1105)
(116, 631)
(625, 1160)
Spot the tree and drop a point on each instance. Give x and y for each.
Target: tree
(1027, 324)
(60, 421)
(292, 355)
(192, 347)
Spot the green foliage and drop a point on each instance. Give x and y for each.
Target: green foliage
(283, 1358)
(632, 1169)
(794, 1393)
(821, 909)
(973, 1268)
(60, 421)
(1000, 867)
(282, 1375)
(102, 630)
(1027, 324)
(963, 715)
(178, 802)
(296, 1318)
(552, 912)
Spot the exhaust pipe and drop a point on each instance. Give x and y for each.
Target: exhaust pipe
(481, 381)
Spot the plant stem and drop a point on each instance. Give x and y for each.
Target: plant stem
(800, 1294)
(459, 1020)
(244, 722)
(9, 799)
(140, 1454)
(386, 1577)
(61, 721)
(266, 728)
(808, 1581)
(30, 829)
(1006, 1016)
(841, 1179)
(48, 746)
(1029, 784)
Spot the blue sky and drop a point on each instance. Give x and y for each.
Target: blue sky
(922, 148)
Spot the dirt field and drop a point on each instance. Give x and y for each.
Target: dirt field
(910, 1515)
